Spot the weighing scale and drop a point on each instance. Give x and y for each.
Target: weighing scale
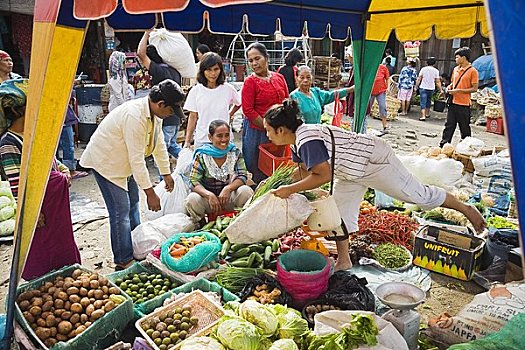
(402, 297)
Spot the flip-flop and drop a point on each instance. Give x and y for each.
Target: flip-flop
(79, 174)
(422, 119)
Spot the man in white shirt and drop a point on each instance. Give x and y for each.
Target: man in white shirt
(427, 81)
(116, 153)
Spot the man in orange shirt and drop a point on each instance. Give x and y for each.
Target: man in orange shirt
(464, 82)
(379, 93)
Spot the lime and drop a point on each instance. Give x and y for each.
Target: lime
(157, 341)
(166, 341)
(186, 313)
(185, 319)
(184, 326)
(123, 285)
(171, 328)
(118, 281)
(135, 280)
(194, 320)
(174, 337)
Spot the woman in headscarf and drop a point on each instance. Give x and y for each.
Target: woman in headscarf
(118, 82)
(6, 67)
(219, 175)
(53, 245)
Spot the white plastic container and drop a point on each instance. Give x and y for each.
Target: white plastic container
(326, 215)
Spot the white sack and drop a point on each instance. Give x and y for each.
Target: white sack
(174, 50)
(269, 217)
(329, 322)
(149, 235)
(470, 146)
(444, 173)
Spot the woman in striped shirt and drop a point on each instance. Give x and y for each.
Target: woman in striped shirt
(361, 161)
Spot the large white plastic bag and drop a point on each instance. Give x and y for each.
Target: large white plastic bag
(149, 235)
(329, 322)
(174, 50)
(470, 146)
(269, 217)
(444, 173)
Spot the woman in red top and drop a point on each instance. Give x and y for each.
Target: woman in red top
(261, 90)
(379, 93)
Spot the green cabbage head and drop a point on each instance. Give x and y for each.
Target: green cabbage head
(284, 344)
(201, 343)
(260, 315)
(238, 334)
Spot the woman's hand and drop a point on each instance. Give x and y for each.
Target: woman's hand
(168, 180)
(214, 203)
(282, 192)
(224, 196)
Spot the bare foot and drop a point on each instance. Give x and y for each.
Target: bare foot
(342, 265)
(475, 218)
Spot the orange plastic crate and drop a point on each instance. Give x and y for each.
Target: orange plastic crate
(272, 156)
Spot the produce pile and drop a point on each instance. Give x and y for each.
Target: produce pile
(179, 249)
(259, 255)
(235, 278)
(7, 210)
(391, 256)
(142, 287)
(501, 223)
(446, 215)
(170, 327)
(62, 309)
(434, 152)
(291, 240)
(360, 247)
(316, 307)
(385, 227)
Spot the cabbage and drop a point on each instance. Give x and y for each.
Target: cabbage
(201, 343)
(7, 227)
(260, 315)
(6, 213)
(5, 191)
(5, 201)
(265, 343)
(232, 306)
(291, 324)
(238, 334)
(284, 344)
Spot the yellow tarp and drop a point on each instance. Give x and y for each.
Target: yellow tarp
(415, 19)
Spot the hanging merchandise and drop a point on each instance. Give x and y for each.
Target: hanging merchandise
(175, 51)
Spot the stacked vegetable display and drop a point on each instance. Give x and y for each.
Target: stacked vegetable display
(385, 227)
(142, 287)
(62, 309)
(7, 210)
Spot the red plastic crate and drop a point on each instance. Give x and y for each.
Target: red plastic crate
(272, 156)
(495, 126)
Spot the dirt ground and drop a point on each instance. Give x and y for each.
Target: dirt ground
(446, 294)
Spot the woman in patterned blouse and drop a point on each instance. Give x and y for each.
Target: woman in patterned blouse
(218, 176)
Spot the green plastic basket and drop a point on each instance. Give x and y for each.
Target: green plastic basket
(147, 307)
(201, 284)
(101, 334)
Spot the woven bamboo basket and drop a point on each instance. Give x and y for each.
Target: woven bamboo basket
(392, 106)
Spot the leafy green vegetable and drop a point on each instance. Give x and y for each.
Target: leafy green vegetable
(260, 315)
(200, 343)
(391, 256)
(7, 227)
(291, 323)
(494, 221)
(284, 344)
(238, 334)
(280, 177)
(361, 330)
(234, 278)
(433, 215)
(5, 201)
(6, 213)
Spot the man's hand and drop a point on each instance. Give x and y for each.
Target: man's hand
(152, 199)
(282, 192)
(168, 180)
(224, 196)
(187, 144)
(214, 203)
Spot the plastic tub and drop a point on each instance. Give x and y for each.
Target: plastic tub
(272, 157)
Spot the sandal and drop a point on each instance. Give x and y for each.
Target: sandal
(422, 119)
(79, 174)
(120, 267)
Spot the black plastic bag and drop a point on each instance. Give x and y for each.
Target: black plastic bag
(271, 282)
(349, 292)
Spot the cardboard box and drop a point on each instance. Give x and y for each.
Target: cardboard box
(448, 252)
(468, 166)
(495, 126)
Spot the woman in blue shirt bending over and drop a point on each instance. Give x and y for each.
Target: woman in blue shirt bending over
(311, 100)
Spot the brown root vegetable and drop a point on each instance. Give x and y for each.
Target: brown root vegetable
(89, 309)
(81, 329)
(67, 305)
(98, 294)
(45, 314)
(66, 315)
(53, 331)
(74, 299)
(63, 295)
(83, 292)
(85, 282)
(41, 322)
(91, 293)
(105, 289)
(25, 295)
(47, 305)
(77, 284)
(47, 297)
(93, 277)
(43, 333)
(97, 314)
(64, 327)
(62, 337)
(113, 290)
(98, 304)
(85, 302)
(37, 301)
(35, 310)
(51, 321)
(76, 308)
(93, 284)
(110, 305)
(103, 281)
(69, 279)
(50, 342)
(76, 274)
(51, 290)
(59, 312)
(75, 318)
(59, 284)
(83, 318)
(68, 284)
(24, 305)
(59, 304)
(72, 290)
(88, 323)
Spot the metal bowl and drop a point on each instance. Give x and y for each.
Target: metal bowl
(400, 295)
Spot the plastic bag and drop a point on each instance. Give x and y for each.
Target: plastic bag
(382, 200)
(149, 235)
(197, 257)
(350, 292)
(251, 226)
(470, 146)
(304, 274)
(283, 299)
(174, 50)
(444, 173)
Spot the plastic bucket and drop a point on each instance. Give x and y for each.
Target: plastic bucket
(326, 215)
(439, 106)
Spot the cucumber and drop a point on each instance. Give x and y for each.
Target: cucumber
(218, 223)
(225, 221)
(266, 243)
(275, 245)
(267, 255)
(225, 248)
(241, 252)
(251, 259)
(242, 262)
(235, 247)
(258, 258)
(216, 232)
(208, 226)
(257, 247)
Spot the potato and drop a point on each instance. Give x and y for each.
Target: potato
(59, 284)
(93, 277)
(67, 305)
(74, 298)
(84, 302)
(64, 327)
(37, 293)
(51, 321)
(68, 285)
(97, 314)
(51, 290)
(90, 309)
(72, 334)
(42, 289)
(77, 273)
(91, 293)
(62, 337)
(69, 279)
(59, 304)
(88, 323)
(50, 342)
(24, 305)
(103, 281)
(98, 294)
(59, 312)
(66, 315)
(110, 305)
(47, 305)
(83, 292)
(93, 284)
(76, 308)
(42, 333)
(85, 282)
(25, 296)
(72, 290)
(92, 300)
(98, 304)
(105, 289)
(53, 331)
(41, 322)
(83, 318)
(37, 301)
(45, 314)
(105, 296)
(62, 295)
(77, 284)
(35, 310)
(81, 329)
(75, 318)
(114, 290)
(47, 297)
(76, 325)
